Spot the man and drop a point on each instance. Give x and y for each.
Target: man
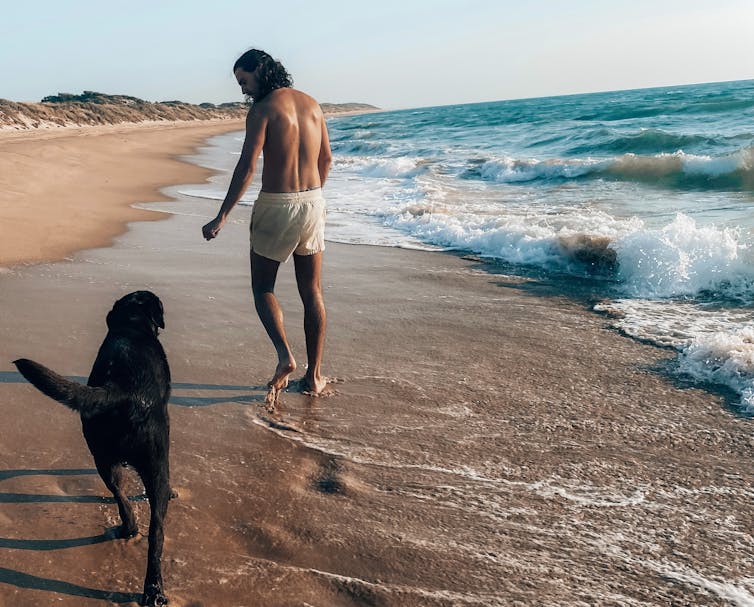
(288, 217)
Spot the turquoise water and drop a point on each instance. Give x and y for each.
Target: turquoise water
(648, 193)
(517, 180)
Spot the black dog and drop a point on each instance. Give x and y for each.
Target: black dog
(124, 416)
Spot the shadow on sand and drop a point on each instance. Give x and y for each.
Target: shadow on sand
(35, 498)
(179, 400)
(33, 582)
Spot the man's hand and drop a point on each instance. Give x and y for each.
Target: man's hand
(213, 228)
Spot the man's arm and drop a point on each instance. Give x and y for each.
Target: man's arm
(256, 126)
(325, 155)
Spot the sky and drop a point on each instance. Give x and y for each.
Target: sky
(390, 53)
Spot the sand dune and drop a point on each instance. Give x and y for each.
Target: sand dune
(91, 108)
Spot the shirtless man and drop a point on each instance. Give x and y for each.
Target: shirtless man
(289, 215)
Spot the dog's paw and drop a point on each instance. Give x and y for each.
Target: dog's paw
(153, 597)
(126, 532)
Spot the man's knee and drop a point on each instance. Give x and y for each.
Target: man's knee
(312, 299)
(309, 287)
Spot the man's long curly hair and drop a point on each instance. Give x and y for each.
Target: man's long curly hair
(272, 75)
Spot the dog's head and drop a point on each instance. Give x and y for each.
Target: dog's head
(140, 309)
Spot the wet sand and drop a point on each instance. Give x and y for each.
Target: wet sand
(492, 443)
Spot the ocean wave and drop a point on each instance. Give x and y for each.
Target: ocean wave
(734, 171)
(684, 259)
(382, 167)
(576, 241)
(645, 141)
(726, 358)
(715, 345)
(359, 147)
(731, 171)
(719, 105)
(680, 259)
(513, 170)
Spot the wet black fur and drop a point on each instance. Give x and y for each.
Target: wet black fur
(124, 416)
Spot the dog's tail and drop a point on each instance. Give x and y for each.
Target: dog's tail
(87, 400)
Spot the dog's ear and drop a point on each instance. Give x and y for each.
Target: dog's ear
(151, 306)
(143, 305)
(156, 312)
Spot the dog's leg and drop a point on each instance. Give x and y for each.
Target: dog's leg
(157, 486)
(112, 475)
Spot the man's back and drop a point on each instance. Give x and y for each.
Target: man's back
(293, 141)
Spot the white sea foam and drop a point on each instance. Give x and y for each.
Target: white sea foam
(683, 258)
(671, 323)
(591, 496)
(381, 167)
(514, 170)
(218, 195)
(715, 166)
(534, 237)
(715, 345)
(724, 357)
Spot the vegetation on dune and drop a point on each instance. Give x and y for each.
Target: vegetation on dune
(91, 108)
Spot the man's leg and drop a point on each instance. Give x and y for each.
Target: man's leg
(308, 270)
(263, 274)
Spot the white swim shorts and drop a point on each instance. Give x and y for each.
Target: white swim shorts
(283, 223)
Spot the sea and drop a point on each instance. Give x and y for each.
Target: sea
(645, 197)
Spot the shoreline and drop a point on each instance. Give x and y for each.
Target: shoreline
(80, 220)
(493, 442)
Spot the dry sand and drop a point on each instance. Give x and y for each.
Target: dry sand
(65, 189)
(493, 443)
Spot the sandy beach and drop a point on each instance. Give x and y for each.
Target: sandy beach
(492, 441)
(67, 188)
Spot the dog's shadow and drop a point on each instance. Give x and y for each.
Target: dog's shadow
(178, 396)
(35, 582)
(181, 397)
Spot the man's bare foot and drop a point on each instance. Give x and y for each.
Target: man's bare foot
(279, 382)
(317, 386)
(283, 371)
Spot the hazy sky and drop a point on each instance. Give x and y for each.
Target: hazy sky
(391, 53)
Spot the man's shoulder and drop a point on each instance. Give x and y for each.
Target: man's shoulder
(283, 97)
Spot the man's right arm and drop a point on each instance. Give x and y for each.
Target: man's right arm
(325, 155)
(256, 126)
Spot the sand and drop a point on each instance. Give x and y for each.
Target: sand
(492, 443)
(70, 188)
